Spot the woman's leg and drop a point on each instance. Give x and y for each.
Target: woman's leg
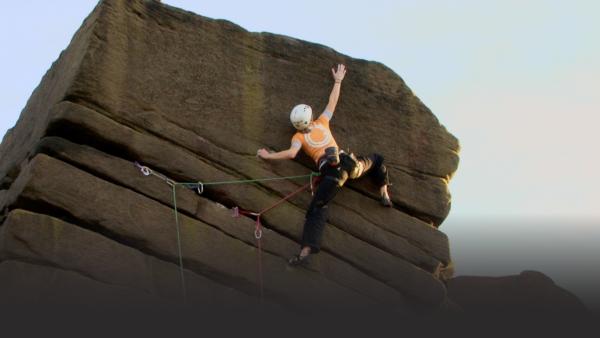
(316, 216)
(374, 167)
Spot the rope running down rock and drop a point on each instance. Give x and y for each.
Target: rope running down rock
(199, 186)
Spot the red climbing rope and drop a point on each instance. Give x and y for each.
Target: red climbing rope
(199, 186)
(258, 229)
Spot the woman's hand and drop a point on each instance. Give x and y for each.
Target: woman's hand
(339, 73)
(262, 153)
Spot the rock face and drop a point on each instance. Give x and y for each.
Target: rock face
(529, 292)
(194, 98)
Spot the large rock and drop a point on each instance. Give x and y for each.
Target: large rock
(193, 98)
(30, 284)
(122, 172)
(53, 187)
(529, 292)
(160, 69)
(39, 238)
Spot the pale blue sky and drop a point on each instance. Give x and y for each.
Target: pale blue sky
(515, 81)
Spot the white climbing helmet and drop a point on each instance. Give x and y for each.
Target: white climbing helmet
(301, 116)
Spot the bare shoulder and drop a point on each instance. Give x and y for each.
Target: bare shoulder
(326, 115)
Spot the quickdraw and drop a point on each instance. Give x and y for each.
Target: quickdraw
(236, 211)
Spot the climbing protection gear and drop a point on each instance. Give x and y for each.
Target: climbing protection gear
(199, 186)
(332, 156)
(258, 229)
(301, 116)
(147, 172)
(351, 165)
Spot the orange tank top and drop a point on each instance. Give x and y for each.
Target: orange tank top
(317, 140)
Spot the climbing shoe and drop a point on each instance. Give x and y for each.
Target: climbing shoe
(298, 260)
(386, 201)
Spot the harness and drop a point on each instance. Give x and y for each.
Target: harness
(339, 165)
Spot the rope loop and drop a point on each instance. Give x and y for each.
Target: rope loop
(200, 188)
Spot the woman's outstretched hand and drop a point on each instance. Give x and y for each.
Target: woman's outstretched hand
(339, 73)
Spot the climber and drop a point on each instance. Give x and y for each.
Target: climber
(315, 139)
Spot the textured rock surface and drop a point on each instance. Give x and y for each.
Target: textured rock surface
(23, 283)
(46, 240)
(193, 98)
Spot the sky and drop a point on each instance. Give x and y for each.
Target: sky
(515, 81)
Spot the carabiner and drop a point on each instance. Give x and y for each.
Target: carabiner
(257, 233)
(146, 171)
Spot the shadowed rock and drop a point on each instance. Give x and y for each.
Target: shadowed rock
(46, 240)
(529, 292)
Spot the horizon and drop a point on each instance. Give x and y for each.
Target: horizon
(520, 98)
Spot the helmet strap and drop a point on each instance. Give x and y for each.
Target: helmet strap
(307, 129)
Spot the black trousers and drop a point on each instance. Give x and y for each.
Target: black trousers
(332, 180)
